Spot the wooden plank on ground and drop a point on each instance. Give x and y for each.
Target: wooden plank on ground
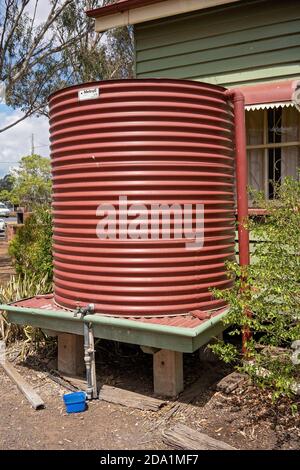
(183, 437)
(130, 399)
(22, 385)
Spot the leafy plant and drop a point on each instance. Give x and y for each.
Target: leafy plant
(20, 287)
(45, 49)
(6, 186)
(272, 295)
(31, 182)
(31, 248)
(23, 287)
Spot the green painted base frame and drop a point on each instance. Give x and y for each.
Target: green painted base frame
(158, 336)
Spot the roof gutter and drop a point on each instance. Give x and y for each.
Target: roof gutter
(119, 7)
(130, 12)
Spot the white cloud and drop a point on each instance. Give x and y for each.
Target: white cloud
(15, 143)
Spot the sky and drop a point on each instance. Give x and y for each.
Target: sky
(16, 142)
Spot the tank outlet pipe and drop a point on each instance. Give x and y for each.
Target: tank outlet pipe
(89, 351)
(238, 100)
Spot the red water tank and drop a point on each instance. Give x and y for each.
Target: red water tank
(155, 143)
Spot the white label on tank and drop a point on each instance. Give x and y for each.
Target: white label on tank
(88, 94)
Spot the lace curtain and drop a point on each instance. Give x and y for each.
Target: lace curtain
(257, 134)
(290, 133)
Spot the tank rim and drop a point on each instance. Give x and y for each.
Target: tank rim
(134, 80)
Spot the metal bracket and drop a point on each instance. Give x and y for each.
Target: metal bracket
(83, 311)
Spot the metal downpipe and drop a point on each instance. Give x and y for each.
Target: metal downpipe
(238, 100)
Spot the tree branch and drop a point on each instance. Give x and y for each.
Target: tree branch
(53, 15)
(9, 4)
(15, 25)
(55, 50)
(25, 116)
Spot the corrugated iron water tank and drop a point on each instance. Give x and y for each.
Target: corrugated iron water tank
(130, 157)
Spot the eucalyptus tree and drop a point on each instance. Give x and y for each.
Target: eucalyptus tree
(38, 56)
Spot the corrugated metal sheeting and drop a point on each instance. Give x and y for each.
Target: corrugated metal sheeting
(47, 303)
(153, 141)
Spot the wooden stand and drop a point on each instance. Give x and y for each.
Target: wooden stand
(70, 354)
(168, 373)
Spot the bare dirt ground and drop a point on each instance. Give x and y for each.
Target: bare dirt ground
(245, 419)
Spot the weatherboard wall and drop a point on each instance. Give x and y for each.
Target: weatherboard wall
(247, 42)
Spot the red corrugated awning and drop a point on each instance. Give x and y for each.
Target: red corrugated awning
(119, 7)
(271, 95)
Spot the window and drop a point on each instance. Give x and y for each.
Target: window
(273, 146)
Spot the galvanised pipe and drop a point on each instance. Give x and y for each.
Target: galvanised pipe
(89, 351)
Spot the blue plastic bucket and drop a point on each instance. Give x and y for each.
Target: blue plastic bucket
(75, 402)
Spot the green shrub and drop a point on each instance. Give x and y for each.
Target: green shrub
(20, 287)
(272, 295)
(31, 249)
(31, 182)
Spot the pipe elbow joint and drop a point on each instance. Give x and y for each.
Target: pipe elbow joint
(235, 95)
